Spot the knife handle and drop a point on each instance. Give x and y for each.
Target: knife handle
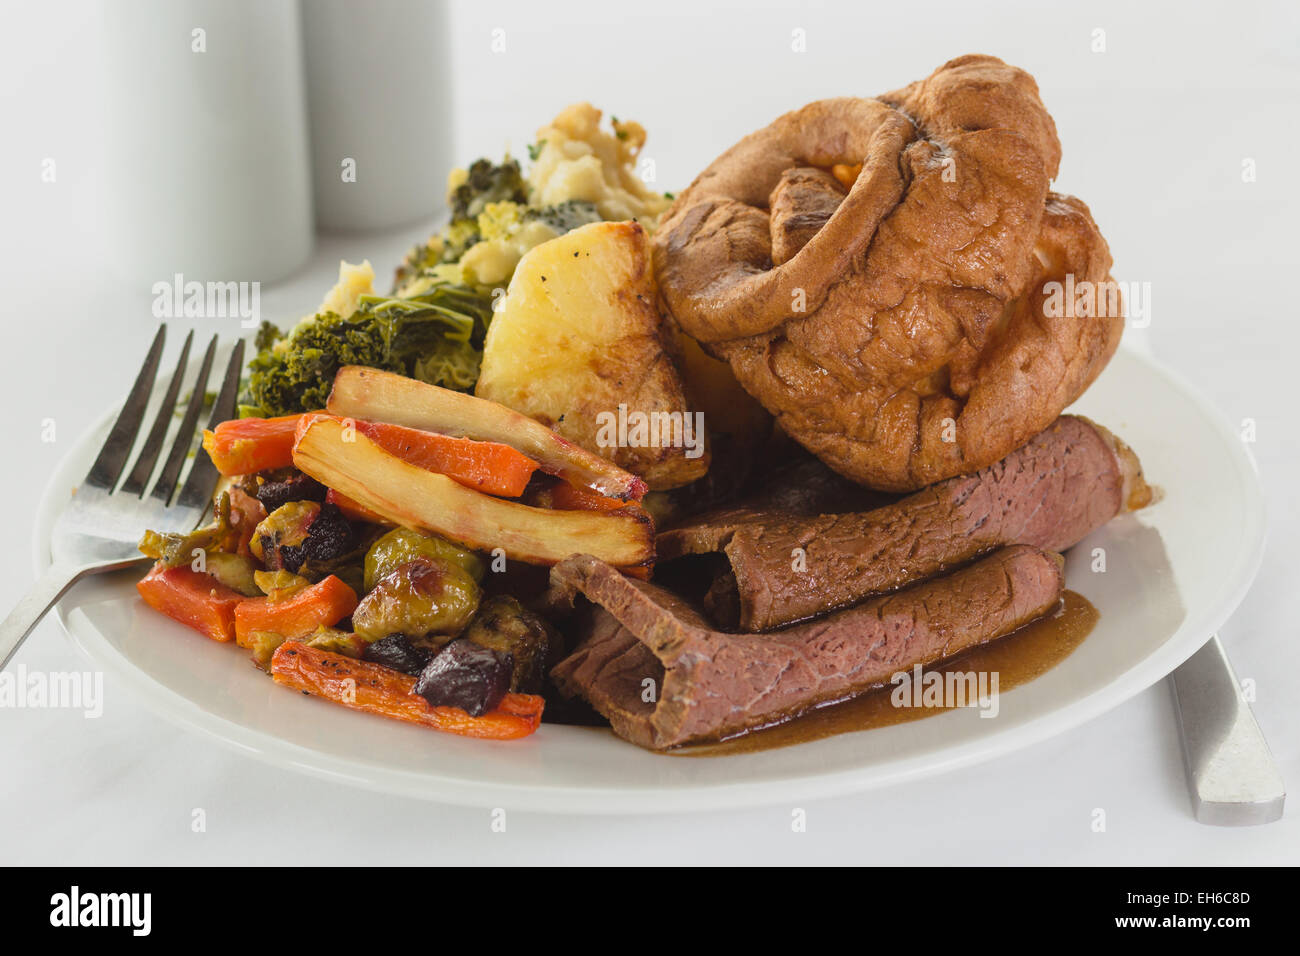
(1230, 771)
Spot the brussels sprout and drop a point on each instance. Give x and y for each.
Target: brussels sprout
(234, 571)
(277, 541)
(402, 544)
(262, 646)
(279, 584)
(175, 550)
(349, 574)
(336, 641)
(505, 625)
(306, 538)
(422, 597)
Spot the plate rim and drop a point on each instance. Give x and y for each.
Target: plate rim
(567, 798)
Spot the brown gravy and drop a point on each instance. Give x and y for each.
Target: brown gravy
(1017, 659)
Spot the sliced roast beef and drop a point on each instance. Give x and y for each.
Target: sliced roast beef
(806, 486)
(801, 488)
(1051, 493)
(662, 676)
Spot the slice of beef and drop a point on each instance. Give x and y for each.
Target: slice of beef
(652, 665)
(1051, 493)
(801, 488)
(806, 486)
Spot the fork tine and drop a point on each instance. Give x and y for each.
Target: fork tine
(138, 479)
(203, 474)
(181, 445)
(117, 447)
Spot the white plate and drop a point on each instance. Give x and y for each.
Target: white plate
(1174, 573)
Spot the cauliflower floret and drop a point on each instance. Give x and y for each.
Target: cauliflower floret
(493, 261)
(580, 174)
(354, 282)
(576, 159)
(342, 299)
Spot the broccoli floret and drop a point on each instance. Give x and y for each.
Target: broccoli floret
(565, 216)
(486, 182)
(457, 238)
(422, 256)
(500, 220)
(488, 202)
(298, 377)
(436, 337)
(267, 336)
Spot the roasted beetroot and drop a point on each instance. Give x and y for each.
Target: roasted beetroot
(466, 675)
(397, 651)
(281, 487)
(329, 538)
(303, 537)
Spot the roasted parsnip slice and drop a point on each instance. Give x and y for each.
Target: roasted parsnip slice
(345, 460)
(367, 393)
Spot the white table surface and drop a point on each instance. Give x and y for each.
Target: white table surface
(1155, 131)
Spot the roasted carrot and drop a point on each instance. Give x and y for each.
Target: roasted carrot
(487, 466)
(193, 598)
(243, 446)
(354, 509)
(367, 393)
(566, 497)
(323, 604)
(376, 689)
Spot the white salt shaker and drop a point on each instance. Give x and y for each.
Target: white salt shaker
(379, 91)
(206, 150)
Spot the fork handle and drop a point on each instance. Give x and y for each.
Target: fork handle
(27, 613)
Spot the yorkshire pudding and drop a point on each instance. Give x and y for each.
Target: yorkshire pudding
(904, 329)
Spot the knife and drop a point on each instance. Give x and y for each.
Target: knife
(1230, 771)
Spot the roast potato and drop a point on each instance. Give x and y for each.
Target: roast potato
(578, 335)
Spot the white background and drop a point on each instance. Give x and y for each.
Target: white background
(1155, 131)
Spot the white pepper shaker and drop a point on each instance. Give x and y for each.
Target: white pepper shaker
(206, 149)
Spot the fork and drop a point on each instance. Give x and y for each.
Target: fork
(100, 528)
